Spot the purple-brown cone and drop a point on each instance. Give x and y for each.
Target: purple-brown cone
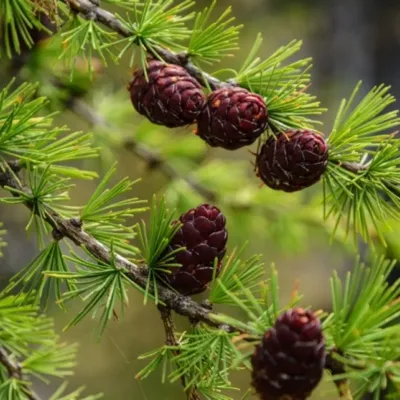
(232, 118)
(292, 160)
(169, 97)
(204, 235)
(289, 362)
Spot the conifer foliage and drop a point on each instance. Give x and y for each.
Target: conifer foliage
(285, 350)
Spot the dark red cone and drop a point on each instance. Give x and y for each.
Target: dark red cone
(204, 235)
(292, 160)
(169, 97)
(232, 118)
(289, 361)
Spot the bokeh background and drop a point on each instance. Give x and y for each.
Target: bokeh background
(349, 41)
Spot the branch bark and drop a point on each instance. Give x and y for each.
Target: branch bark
(14, 371)
(337, 368)
(8, 174)
(92, 11)
(171, 340)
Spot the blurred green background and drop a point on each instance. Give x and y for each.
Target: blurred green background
(349, 41)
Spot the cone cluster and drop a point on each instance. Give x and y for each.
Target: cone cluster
(289, 361)
(230, 117)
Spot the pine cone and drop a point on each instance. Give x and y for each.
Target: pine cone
(289, 362)
(292, 160)
(204, 235)
(232, 118)
(169, 97)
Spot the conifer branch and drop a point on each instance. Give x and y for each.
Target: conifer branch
(336, 368)
(92, 11)
(169, 326)
(138, 274)
(152, 159)
(13, 368)
(171, 340)
(283, 89)
(14, 371)
(7, 177)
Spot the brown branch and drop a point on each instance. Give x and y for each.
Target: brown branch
(138, 274)
(152, 159)
(171, 340)
(337, 368)
(8, 173)
(92, 11)
(14, 371)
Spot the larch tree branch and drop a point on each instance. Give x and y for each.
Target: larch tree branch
(138, 274)
(14, 371)
(69, 228)
(90, 10)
